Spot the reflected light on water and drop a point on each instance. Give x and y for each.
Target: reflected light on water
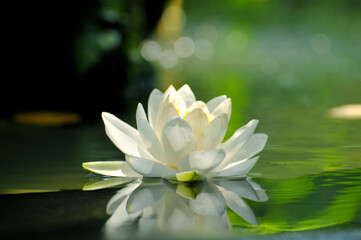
(184, 47)
(150, 51)
(321, 43)
(47, 118)
(351, 111)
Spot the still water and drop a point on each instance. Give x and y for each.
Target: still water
(307, 184)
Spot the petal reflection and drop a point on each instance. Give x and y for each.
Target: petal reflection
(166, 208)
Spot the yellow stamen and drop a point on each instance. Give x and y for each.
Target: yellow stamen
(185, 114)
(172, 166)
(178, 111)
(208, 119)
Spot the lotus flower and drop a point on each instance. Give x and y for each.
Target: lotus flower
(180, 139)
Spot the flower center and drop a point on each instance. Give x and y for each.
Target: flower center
(184, 115)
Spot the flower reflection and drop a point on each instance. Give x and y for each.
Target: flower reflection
(166, 208)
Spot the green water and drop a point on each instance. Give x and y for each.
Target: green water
(310, 167)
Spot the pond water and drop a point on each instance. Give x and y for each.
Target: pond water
(307, 184)
(296, 76)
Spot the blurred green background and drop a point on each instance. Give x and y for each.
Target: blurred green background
(287, 63)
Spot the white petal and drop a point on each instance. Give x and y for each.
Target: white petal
(111, 168)
(213, 134)
(213, 103)
(198, 120)
(186, 93)
(178, 140)
(235, 169)
(144, 197)
(125, 137)
(148, 136)
(105, 183)
(224, 107)
(148, 167)
(199, 105)
(180, 105)
(254, 145)
(167, 112)
(238, 205)
(240, 136)
(202, 161)
(154, 104)
(169, 93)
(209, 202)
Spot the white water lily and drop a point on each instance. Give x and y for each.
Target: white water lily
(180, 139)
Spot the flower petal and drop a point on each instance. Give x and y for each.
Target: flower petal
(180, 105)
(148, 167)
(213, 134)
(148, 136)
(238, 205)
(166, 112)
(125, 137)
(154, 103)
(239, 137)
(187, 95)
(198, 120)
(209, 202)
(105, 183)
(169, 93)
(213, 103)
(199, 105)
(235, 169)
(202, 161)
(224, 107)
(178, 140)
(254, 145)
(111, 168)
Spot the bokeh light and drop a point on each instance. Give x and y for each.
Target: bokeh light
(184, 47)
(237, 41)
(204, 49)
(207, 31)
(150, 51)
(321, 43)
(168, 59)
